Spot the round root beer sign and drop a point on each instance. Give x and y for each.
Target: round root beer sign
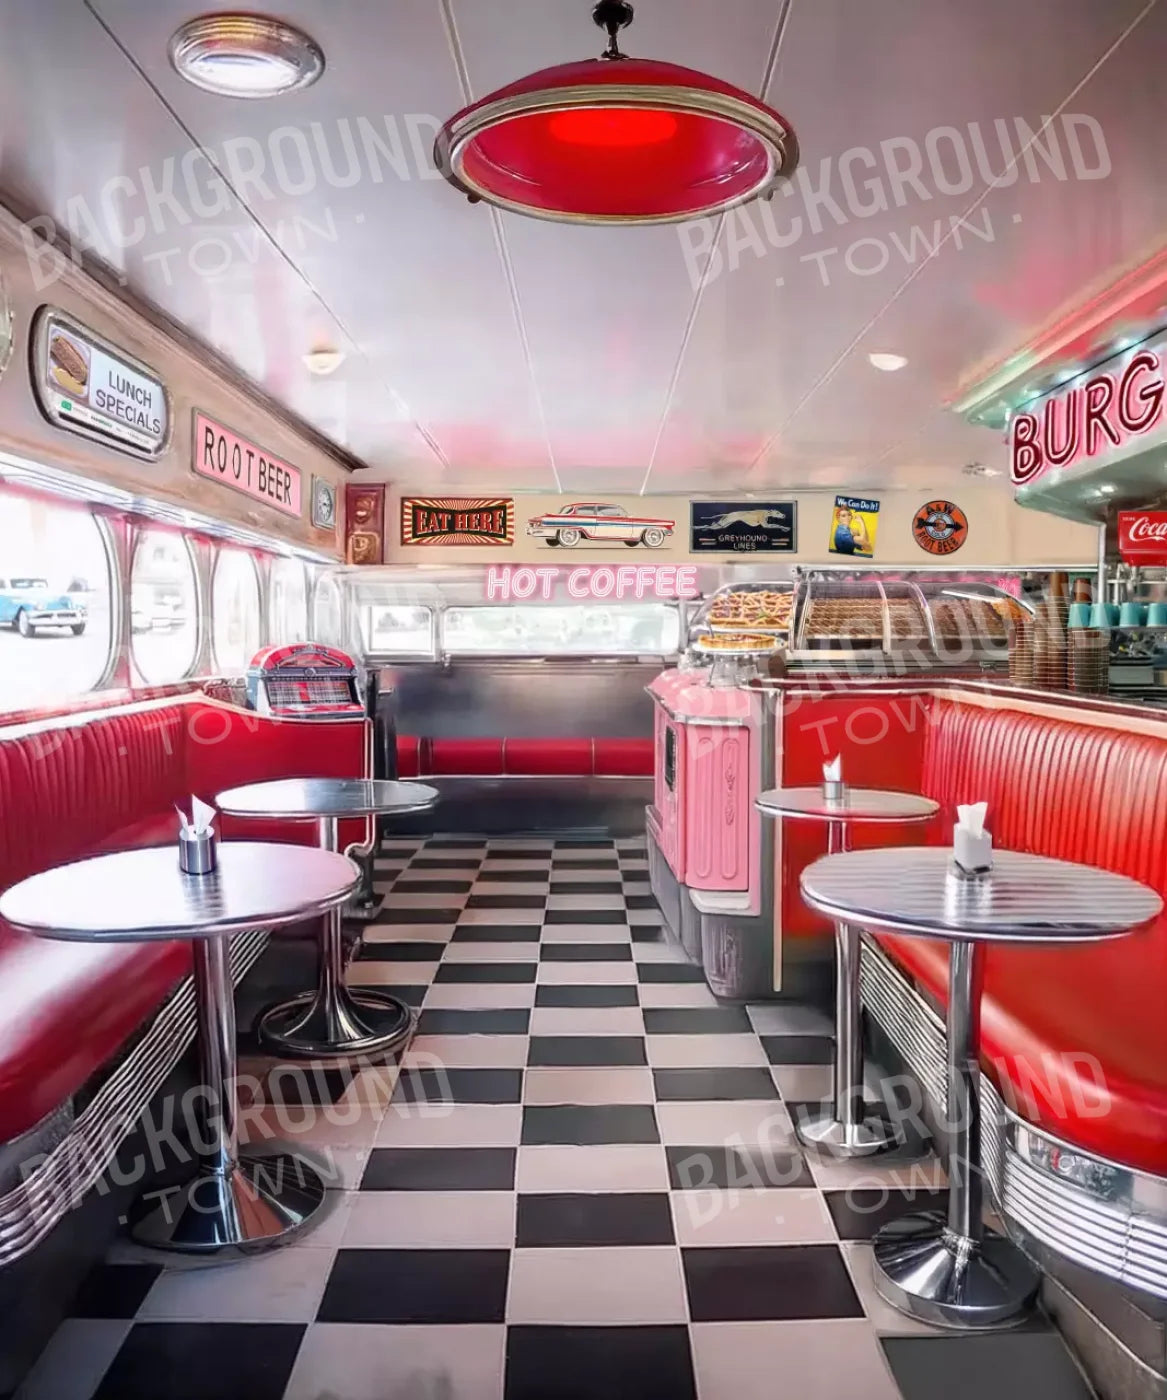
(940, 527)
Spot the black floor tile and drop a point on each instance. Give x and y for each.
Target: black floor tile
(437, 1086)
(583, 1050)
(701, 1020)
(460, 843)
(586, 996)
(799, 1049)
(584, 843)
(440, 1169)
(698, 1084)
(561, 865)
(651, 933)
(669, 972)
(114, 1290)
(443, 863)
(396, 914)
(582, 1363)
(585, 952)
(293, 1084)
(400, 952)
(588, 1125)
(202, 1361)
(520, 853)
(586, 916)
(787, 1282)
(859, 1214)
(487, 972)
(387, 851)
(547, 1221)
(402, 1286)
(638, 901)
(725, 1168)
(412, 995)
(518, 877)
(404, 885)
(506, 901)
(497, 933)
(440, 1021)
(1005, 1364)
(561, 886)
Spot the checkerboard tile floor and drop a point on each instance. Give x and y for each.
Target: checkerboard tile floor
(581, 1181)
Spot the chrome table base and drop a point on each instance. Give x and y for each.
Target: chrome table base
(924, 1270)
(827, 1133)
(336, 1023)
(256, 1203)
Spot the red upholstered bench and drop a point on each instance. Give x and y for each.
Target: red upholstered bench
(555, 757)
(102, 780)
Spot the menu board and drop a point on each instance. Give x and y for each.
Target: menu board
(87, 386)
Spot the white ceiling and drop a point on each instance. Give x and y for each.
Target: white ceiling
(488, 350)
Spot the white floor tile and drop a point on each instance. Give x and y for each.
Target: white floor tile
(431, 1220)
(645, 916)
(340, 1361)
(468, 1051)
(869, 1173)
(611, 1167)
(585, 933)
(704, 1051)
(400, 902)
(785, 1018)
(584, 974)
(666, 994)
(661, 951)
(709, 1124)
(501, 916)
(368, 973)
(585, 901)
(408, 933)
(480, 996)
(587, 1020)
(832, 1360)
(282, 1286)
(77, 1356)
(597, 1286)
(510, 887)
(491, 952)
(804, 1083)
(724, 1218)
(887, 1321)
(588, 1086)
(460, 1125)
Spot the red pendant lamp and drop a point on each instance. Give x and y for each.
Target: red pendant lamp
(617, 140)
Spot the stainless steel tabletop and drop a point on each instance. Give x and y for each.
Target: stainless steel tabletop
(1023, 898)
(136, 896)
(857, 804)
(325, 797)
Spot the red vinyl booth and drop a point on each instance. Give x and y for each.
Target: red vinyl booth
(1075, 1038)
(107, 779)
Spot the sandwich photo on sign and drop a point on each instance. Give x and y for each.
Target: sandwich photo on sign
(854, 524)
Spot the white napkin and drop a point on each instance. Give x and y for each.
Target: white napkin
(833, 771)
(200, 821)
(971, 818)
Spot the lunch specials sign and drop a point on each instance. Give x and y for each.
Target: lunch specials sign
(87, 386)
(1104, 413)
(223, 456)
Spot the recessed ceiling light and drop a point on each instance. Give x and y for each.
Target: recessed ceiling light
(978, 469)
(888, 363)
(323, 360)
(1107, 490)
(245, 55)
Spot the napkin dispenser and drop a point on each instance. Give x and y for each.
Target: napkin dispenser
(196, 839)
(972, 846)
(834, 789)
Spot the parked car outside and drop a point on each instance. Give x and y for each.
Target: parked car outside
(28, 604)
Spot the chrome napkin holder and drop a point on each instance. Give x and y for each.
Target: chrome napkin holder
(196, 853)
(972, 854)
(834, 790)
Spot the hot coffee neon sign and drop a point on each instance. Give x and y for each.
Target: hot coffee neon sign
(510, 583)
(1091, 419)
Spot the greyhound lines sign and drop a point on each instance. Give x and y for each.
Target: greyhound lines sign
(744, 527)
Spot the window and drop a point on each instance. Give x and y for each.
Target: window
(328, 614)
(55, 601)
(164, 624)
(289, 602)
(633, 629)
(234, 612)
(398, 631)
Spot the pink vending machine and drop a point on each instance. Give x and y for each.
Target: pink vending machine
(710, 856)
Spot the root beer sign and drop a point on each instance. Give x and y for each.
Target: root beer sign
(446, 520)
(223, 456)
(940, 527)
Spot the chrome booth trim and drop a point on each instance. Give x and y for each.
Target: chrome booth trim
(30, 1210)
(1101, 1214)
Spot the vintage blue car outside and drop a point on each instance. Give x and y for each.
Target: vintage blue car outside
(28, 604)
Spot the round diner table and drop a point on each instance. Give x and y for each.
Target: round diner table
(235, 1199)
(847, 1130)
(949, 1269)
(333, 1021)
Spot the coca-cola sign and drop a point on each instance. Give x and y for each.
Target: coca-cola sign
(1103, 415)
(1142, 536)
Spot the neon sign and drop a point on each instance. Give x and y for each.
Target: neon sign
(1089, 420)
(509, 583)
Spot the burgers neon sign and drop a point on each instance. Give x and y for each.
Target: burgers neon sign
(1090, 419)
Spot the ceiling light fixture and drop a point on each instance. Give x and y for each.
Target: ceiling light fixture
(1107, 490)
(888, 363)
(323, 360)
(979, 469)
(245, 56)
(617, 140)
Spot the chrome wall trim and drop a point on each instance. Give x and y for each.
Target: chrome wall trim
(58, 1183)
(1101, 1214)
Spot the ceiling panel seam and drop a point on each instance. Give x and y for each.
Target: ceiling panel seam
(780, 27)
(457, 54)
(306, 281)
(828, 374)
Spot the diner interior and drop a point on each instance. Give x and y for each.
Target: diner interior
(583, 700)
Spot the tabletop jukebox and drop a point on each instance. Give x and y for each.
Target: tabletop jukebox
(304, 680)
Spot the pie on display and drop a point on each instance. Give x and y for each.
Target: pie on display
(768, 609)
(741, 643)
